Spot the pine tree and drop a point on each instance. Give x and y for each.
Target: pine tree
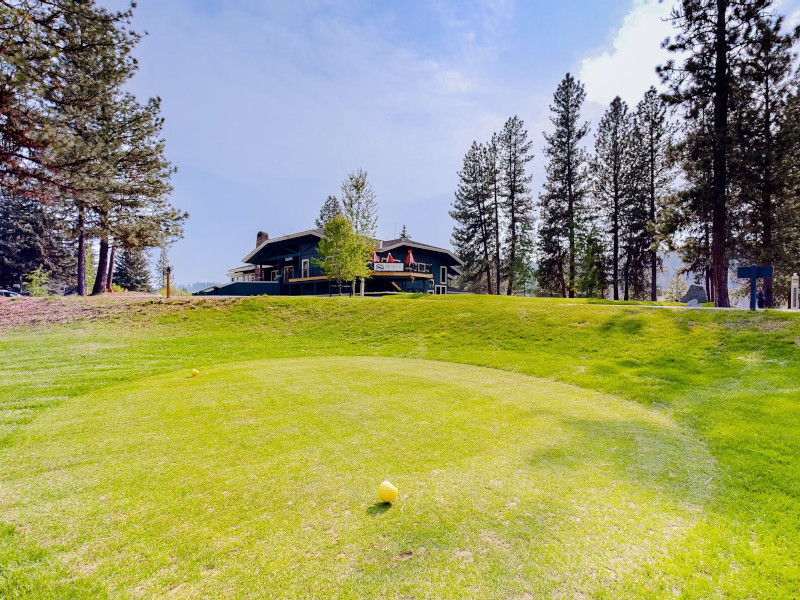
(562, 204)
(491, 169)
(515, 154)
(32, 235)
(611, 177)
(91, 74)
(162, 264)
(136, 211)
(686, 219)
(653, 172)
(330, 208)
(712, 36)
(593, 273)
(359, 204)
(474, 232)
(762, 171)
(131, 271)
(636, 245)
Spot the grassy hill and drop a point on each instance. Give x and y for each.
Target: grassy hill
(542, 448)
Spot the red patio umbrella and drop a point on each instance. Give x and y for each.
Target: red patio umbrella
(410, 259)
(375, 257)
(389, 258)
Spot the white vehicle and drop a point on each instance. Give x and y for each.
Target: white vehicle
(9, 294)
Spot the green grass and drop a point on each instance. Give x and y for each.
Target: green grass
(542, 448)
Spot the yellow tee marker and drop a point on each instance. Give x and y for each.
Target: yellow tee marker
(387, 492)
(195, 372)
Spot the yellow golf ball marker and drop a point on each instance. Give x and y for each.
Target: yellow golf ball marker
(195, 372)
(387, 492)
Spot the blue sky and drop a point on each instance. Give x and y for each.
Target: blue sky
(270, 104)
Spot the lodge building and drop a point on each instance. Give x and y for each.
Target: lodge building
(284, 266)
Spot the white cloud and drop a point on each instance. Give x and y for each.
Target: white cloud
(627, 68)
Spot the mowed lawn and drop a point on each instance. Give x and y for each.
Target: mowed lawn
(541, 448)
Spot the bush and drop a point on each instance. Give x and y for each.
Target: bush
(36, 283)
(174, 291)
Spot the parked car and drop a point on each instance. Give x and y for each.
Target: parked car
(9, 294)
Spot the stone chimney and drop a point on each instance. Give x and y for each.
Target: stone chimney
(261, 237)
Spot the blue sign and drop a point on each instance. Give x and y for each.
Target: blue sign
(754, 272)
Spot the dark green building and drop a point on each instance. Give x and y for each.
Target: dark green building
(284, 266)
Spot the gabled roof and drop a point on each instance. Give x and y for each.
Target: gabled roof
(384, 246)
(392, 244)
(243, 269)
(283, 238)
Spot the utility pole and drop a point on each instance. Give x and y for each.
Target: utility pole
(168, 271)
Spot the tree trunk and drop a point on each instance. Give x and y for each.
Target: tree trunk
(766, 196)
(496, 240)
(102, 267)
(627, 268)
(81, 253)
(653, 250)
(110, 276)
(512, 254)
(719, 258)
(570, 217)
(615, 235)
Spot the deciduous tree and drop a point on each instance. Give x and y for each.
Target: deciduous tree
(344, 252)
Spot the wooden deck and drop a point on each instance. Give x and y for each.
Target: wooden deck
(396, 275)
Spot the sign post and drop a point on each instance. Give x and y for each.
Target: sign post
(168, 271)
(753, 273)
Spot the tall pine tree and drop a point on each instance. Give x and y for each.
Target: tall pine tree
(653, 171)
(712, 38)
(515, 154)
(131, 270)
(562, 203)
(611, 178)
(475, 231)
(764, 153)
(491, 167)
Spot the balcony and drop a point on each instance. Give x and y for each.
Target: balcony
(399, 267)
(381, 269)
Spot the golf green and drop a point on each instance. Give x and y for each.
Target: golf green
(259, 479)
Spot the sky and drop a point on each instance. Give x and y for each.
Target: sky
(270, 104)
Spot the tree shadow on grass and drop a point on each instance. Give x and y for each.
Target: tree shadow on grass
(627, 322)
(664, 460)
(379, 508)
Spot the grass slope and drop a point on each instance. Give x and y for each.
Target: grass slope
(728, 379)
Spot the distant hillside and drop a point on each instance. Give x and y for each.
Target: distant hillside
(197, 285)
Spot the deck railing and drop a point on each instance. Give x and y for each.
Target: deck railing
(381, 267)
(398, 267)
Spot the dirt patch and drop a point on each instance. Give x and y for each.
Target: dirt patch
(22, 312)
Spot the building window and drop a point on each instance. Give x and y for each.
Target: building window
(305, 268)
(273, 276)
(443, 275)
(288, 273)
(441, 289)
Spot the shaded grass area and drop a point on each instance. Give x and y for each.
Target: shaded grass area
(730, 377)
